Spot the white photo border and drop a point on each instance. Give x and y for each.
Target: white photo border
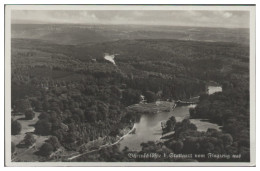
(9, 8)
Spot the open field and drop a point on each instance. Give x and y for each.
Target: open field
(27, 154)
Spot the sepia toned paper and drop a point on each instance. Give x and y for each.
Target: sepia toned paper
(130, 85)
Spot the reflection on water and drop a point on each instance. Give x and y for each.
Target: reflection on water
(149, 126)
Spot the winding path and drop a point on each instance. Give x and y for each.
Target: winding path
(101, 147)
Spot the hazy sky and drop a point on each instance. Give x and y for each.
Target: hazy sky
(233, 19)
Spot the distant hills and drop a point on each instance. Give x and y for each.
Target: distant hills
(70, 34)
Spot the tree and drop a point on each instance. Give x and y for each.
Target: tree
(29, 139)
(44, 115)
(46, 149)
(150, 96)
(56, 124)
(131, 96)
(170, 124)
(227, 139)
(192, 112)
(29, 114)
(206, 146)
(114, 132)
(37, 105)
(70, 138)
(80, 114)
(191, 145)
(176, 146)
(116, 91)
(45, 105)
(43, 127)
(59, 134)
(91, 115)
(23, 105)
(53, 140)
(16, 127)
(203, 97)
(186, 124)
(12, 147)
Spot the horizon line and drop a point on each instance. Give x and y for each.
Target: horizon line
(96, 24)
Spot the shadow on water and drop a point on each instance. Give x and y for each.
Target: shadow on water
(149, 126)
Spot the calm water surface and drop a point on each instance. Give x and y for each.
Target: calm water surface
(149, 127)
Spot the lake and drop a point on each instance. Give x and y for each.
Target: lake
(149, 126)
(110, 58)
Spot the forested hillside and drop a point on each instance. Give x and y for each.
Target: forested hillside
(78, 34)
(82, 97)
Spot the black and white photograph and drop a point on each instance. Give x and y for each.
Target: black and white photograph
(128, 85)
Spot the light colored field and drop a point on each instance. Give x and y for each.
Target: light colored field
(27, 126)
(27, 154)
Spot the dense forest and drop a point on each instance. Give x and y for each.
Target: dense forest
(81, 97)
(229, 108)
